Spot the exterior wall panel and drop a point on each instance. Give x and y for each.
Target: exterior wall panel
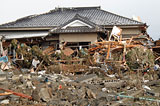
(78, 38)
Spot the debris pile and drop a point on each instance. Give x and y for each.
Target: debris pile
(119, 72)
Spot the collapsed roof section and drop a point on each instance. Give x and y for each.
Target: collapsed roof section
(60, 16)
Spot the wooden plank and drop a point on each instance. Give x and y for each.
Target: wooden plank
(124, 53)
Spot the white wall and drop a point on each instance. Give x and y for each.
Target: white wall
(78, 38)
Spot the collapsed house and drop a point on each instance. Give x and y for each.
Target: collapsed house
(78, 26)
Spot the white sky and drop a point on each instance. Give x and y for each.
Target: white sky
(148, 10)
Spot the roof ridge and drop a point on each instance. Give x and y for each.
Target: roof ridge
(121, 16)
(92, 7)
(73, 8)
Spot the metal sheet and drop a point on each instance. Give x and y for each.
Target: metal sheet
(29, 35)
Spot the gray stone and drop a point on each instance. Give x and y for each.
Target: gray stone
(151, 92)
(6, 101)
(54, 102)
(24, 70)
(35, 95)
(86, 78)
(27, 76)
(29, 84)
(54, 86)
(3, 97)
(14, 97)
(108, 96)
(1, 72)
(15, 77)
(102, 103)
(44, 94)
(65, 103)
(83, 102)
(3, 77)
(4, 84)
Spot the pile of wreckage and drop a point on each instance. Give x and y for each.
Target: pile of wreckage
(114, 72)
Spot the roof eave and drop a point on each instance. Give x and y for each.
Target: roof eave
(125, 26)
(76, 32)
(25, 28)
(50, 27)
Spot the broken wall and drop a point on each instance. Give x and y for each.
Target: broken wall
(128, 32)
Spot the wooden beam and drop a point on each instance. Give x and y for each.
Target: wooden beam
(17, 94)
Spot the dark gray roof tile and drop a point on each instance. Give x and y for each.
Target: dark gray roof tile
(60, 16)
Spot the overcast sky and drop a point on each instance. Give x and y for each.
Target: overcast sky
(148, 10)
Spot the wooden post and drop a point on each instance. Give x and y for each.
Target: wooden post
(124, 53)
(17, 94)
(108, 52)
(108, 35)
(120, 38)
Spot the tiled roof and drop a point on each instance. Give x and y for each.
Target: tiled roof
(60, 16)
(77, 30)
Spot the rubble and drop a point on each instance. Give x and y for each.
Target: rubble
(86, 78)
(108, 73)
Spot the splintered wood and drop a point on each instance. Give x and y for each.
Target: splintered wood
(107, 47)
(49, 50)
(67, 51)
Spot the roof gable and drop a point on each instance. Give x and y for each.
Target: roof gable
(76, 23)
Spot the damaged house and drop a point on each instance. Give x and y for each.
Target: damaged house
(78, 26)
